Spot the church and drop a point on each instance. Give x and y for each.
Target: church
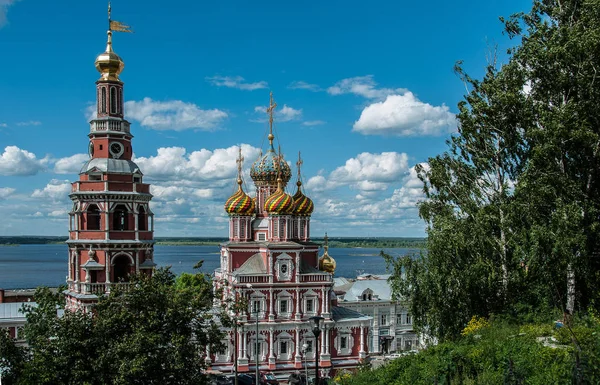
(269, 261)
(271, 264)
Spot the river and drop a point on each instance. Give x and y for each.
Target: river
(29, 266)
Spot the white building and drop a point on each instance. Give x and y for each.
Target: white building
(391, 325)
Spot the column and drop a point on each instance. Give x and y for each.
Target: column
(271, 314)
(271, 343)
(297, 304)
(207, 358)
(361, 352)
(394, 343)
(323, 301)
(375, 329)
(297, 357)
(135, 222)
(244, 345)
(240, 345)
(323, 339)
(106, 220)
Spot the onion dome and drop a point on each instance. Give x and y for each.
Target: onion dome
(326, 262)
(108, 63)
(279, 203)
(303, 205)
(240, 203)
(268, 169)
(264, 170)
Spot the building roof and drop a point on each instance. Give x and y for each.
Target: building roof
(306, 268)
(254, 265)
(115, 166)
(339, 313)
(354, 289)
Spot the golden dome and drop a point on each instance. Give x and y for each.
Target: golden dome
(108, 63)
(326, 263)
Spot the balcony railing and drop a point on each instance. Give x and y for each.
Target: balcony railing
(96, 288)
(315, 278)
(109, 125)
(253, 279)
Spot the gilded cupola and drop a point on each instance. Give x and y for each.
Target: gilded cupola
(303, 205)
(326, 262)
(269, 168)
(240, 203)
(108, 63)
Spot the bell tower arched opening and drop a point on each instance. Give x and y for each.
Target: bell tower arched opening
(121, 267)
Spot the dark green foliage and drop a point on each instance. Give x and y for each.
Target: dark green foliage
(12, 359)
(154, 332)
(501, 354)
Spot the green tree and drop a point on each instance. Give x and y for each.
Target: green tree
(512, 207)
(153, 332)
(12, 358)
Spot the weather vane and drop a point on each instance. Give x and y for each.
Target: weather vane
(116, 26)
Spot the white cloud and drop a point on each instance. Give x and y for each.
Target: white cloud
(71, 164)
(363, 86)
(174, 163)
(4, 4)
(366, 172)
(30, 123)
(284, 114)
(235, 82)
(5, 192)
(55, 190)
(17, 162)
(313, 123)
(302, 85)
(405, 115)
(3, 125)
(172, 115)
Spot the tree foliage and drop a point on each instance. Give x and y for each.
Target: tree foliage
(154, 332)
(512, 207)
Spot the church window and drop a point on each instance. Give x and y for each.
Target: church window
(93, 218)
(120, 103)
(120, 218)
(113, 100)
(344, 343)
(283, 347)
(100, 148)
(95, 177)
(310, 305)
(142, 219)
(283, 306)
(103, 103)
(262, 237)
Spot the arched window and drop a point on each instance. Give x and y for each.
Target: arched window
(142, 219)
(103, 105)
(121, 266)
(113, 100)
(93, 218)
(120, 216)
(120, 100)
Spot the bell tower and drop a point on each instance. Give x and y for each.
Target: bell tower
(111, 224)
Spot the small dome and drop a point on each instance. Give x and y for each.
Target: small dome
(264, 171)
(303, 205)
(326, 262)
(240, 203)
(279, 203)
(108, 63)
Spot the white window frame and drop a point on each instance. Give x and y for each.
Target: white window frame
(284, 296)
(349, 343)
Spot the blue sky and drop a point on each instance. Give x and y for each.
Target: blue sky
(365, 90)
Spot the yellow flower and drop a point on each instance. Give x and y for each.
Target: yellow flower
(475, 324)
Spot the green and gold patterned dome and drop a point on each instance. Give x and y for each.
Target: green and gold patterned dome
(303, 205)
(264, 170)
(240, 203)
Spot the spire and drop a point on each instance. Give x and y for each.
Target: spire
(278, 163)
(299, 164)
(326, 244)
(271, 111)
(239, 162)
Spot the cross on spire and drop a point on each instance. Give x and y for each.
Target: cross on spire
(239, 162)
(326, 244)
(271, 111)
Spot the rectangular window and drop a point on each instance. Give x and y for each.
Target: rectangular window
(95, 177)
(343, 342)
(261, 237)
(256, 306)
(254, 348)
(283, 306)
(283, 347)
(384, 319)
(310, 306)
(408, 319)
(399, 319)
(309, 347)
(281, 228)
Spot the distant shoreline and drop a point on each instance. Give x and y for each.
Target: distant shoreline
(342, 242)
